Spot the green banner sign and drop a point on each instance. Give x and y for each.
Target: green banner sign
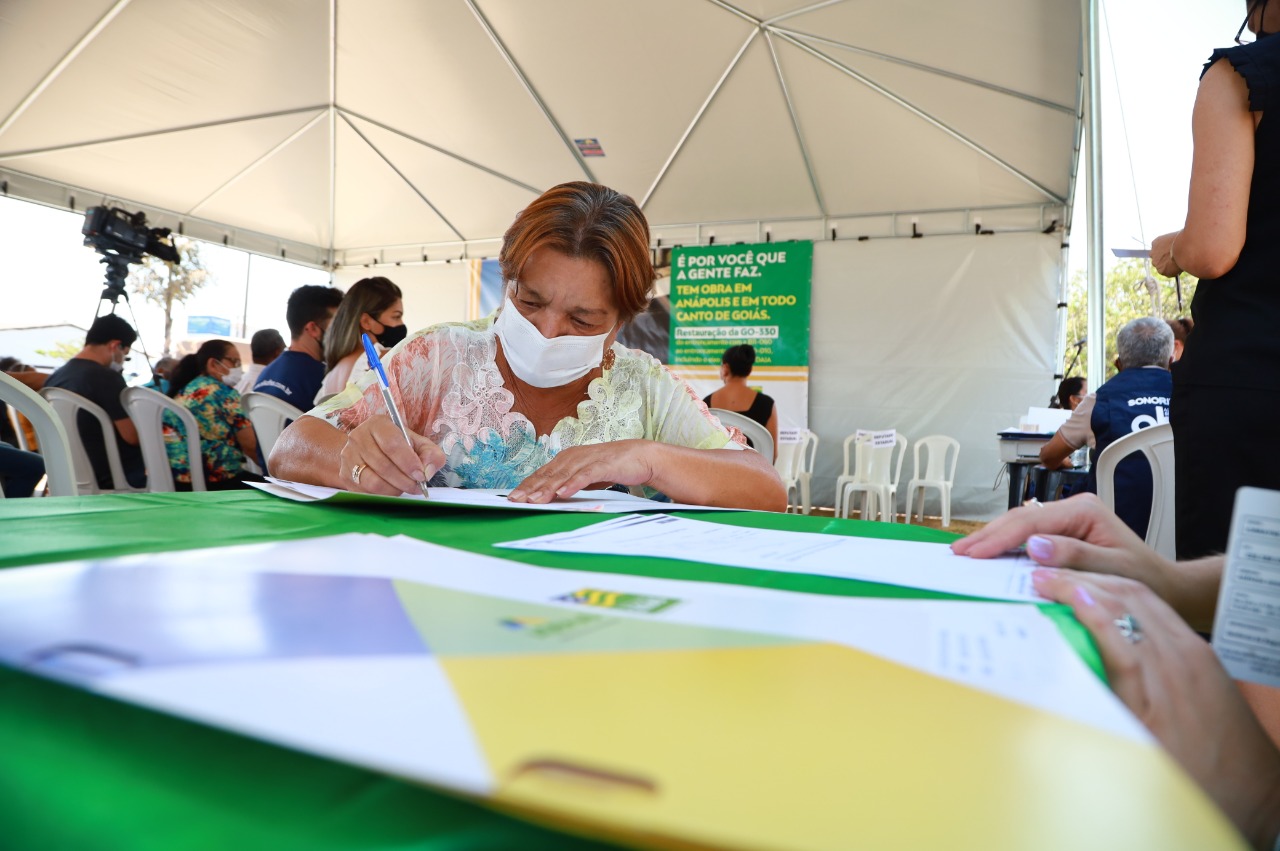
(723, 295)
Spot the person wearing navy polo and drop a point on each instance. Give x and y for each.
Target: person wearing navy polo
(1137, 397)
(297, 374)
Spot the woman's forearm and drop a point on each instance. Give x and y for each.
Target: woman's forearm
(724, 477)
(309, 451)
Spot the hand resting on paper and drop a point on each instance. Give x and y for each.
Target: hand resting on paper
(1172, 681)
(1083, 534)
(685, 475)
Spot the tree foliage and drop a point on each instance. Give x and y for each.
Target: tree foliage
(1127, 297)
(166, 284)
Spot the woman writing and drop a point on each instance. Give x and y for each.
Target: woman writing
(372, 306)
(1227, 373)
(538, 397)
(205, 384)
(736, 396)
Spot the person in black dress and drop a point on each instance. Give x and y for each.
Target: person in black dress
(1225, 403)
(736, 396)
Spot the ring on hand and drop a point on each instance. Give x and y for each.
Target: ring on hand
(355, 473)
(1033, 501)
(1129, 629)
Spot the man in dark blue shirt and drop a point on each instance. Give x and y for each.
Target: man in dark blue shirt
(1137, 397)
(297, 374)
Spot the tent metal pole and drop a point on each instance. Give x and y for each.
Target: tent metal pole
(928, 69)
(62, 64)
(404, 177)
(926, 116)
(1097, 326)
(795, 125)
(529, 88)
(662, 172)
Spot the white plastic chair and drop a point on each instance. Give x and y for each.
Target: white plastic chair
(760, 437)
(1156, 443)
(876, 478)
(16, 422)
(940, 473)
(269, 414)
(795, 465)
(55, 448)
(146, 408)
(67, 405)
(849, 475)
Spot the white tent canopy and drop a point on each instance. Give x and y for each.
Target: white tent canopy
(340, 134)
(344, 132)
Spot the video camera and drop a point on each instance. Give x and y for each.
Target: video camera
(123, 238)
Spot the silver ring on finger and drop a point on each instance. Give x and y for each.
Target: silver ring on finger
(355, 473)
(1129, 628)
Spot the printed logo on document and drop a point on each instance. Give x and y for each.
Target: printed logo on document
(643, 603)
(573, 626)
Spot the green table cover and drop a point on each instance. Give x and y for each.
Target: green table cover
(82, 771)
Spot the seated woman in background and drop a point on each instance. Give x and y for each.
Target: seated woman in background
(1182, 328)
(736, 396)
(205, 384)
(1071, 393)
(372, 306)
(538, 397)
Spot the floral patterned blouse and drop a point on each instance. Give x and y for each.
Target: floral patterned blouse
(449, 389)
(217, 410)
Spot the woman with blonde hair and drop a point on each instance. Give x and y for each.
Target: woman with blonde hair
(372, 306)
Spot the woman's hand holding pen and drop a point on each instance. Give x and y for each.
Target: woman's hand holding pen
(377, 460)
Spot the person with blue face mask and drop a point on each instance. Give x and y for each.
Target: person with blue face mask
(538, 398)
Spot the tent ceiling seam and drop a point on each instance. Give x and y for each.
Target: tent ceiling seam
(734, 10)
(347, 112)
(928, 69)
(925, 116)
(697, 117)
(795, 125)
(61, 65)
(205, 125)
(801, 11)
(403, 177)
(333, 125)
(257, 162)
(528, 87)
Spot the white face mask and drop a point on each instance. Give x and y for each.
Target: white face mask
(232, 378)
(116, 365)
(543, 362)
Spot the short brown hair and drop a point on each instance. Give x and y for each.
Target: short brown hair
(592, 222)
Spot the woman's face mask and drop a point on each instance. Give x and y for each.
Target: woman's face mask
(542, 362)
(391, 335)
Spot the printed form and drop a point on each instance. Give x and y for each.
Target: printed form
(908, 563)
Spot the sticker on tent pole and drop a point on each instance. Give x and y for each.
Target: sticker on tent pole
(877, 439)
(589, 147)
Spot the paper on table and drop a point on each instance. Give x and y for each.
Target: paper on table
(600, 501)
(915, 565)
(1009, 650)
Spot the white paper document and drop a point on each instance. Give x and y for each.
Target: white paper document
(1246, 628)
(908, 563)
(598, 501)
(1009, 650)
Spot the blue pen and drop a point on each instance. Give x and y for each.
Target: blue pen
(376, 366)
